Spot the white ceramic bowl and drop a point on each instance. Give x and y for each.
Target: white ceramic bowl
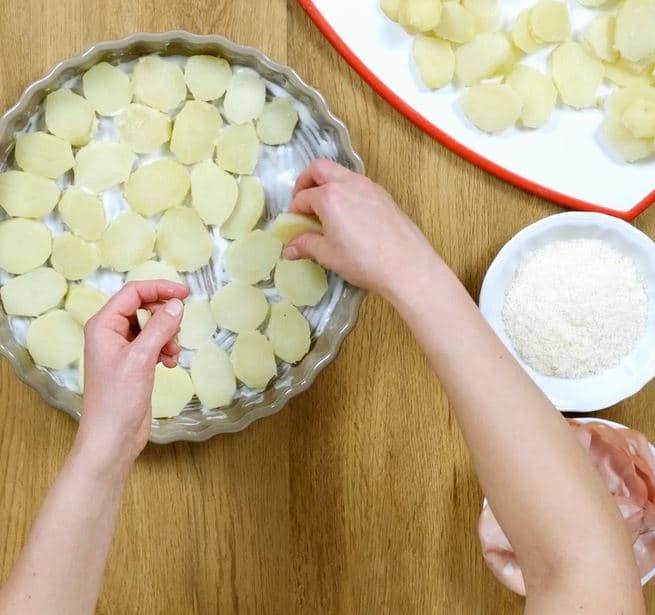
(637, 368)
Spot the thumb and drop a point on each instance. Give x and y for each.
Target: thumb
(307, 245)
(160, 329)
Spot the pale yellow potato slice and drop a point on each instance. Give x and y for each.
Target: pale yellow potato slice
(492, 107)
(237, 149)
(195, 132)
(34, 292)
(83, 213)
(487, 55)
(84, 301)
(127, 242)
(598, 35)
(245, 97)
(434, 60)
(287, 226)
(69, 116)
(100, 166)
(213, 376)
(198, 324)
(55, 340)
(621, 98)
(27, 195)
(153, 270)
(635, 30)
(621, 73)
(624, 143)
(577, 75)
(253, 359)
(73, 257)
(277, 122)
(538, 94)
(390, 8)
(183, 240)
(207, 77)
(214, 192)
(239, 307)
(639, 118)
(486, 14)
(142, 318)
(248, 210)
(24, 245)
(288, 331)
(42, 154)
(549, 22)
(107, 88)
(457, 23)
(251, 258)
(171, 392)
(143, 129)
(157, 186)
(158, 83)
(592, 3)
(419, 15)
(521, 34)
(302, 282)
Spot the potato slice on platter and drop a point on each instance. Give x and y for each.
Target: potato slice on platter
(635, 28)
(391, 8)
(153, 270)
(549, 22)
(251, 258)
(73, 257)
(434, 60)
(492, 107)
(213, 377)
(198, 324)
(277, 122)
(102, 165)
(24, 245)
(27, 195)
(301, 282)
(171, 392)
(107, 88)
(195, 132)
(245, 97)
(127, 242)
(521, 34)
(489, 54)
(486, 14)
(183, 240)
(288, 331)
(55, 340)
(621, 73)
(577, 75)
(538, 94)
(157, 186)
(83, 213)
(69, 116)
(288, 226)
(158, 83)
(639, 118)
(214, 192)
(42, 154)
(621, 98)
(83, 301)
(237, 149)
(143, 129)
(457, 23)
(33, 293)
(207, 77)
(419, 15)
(253, 360)
(239, 307)
(248, 210)
(598, 36)
(624, 143)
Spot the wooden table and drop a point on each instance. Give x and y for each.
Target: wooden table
(358, 497)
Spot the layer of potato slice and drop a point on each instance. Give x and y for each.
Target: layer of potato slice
(253, 359)
(577, 75)
(521, 34)
(391, 8)
(635, 30)
(277, 122)
(73, 257)
(639, 118)
(158, 83)
(598, 35)
(24, 245)
(107, 88)
(435, 61)
(42, 154)
(153, 270)
(491, 107)
(143, 129)
(538, 94)
(69, 116)
(486, 14)
(301, 282)
(487, 55)
(171, 392)
(549, 22)
(248, 210)
(127, 242)
(237, 149)
(288, 226)
(55, 340)
(198, 324)
(195, 132)
(214, 192)
(207, 77)
(33, 293)
(419, 15)
(457, 23)
(27, 195)
(239, 307)
(624, 143)
(157, 186)
(288, 331)
(83, 213)
(84, 301)
(101, 165)
(251, 258)
(245, 97)
(183, 240)
(213, 377)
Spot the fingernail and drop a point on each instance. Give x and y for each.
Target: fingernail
(291, 252)
(173, 307)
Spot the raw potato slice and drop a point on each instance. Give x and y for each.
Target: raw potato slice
(127, 242)
(592, 3)
(73, 257)
(207, 77)
(24, 245)
(83, 301)
(55, 340)
(486, 13)
(42, 154)
(34, 292)
(26, 195)
(302, 282)
(599, 37)
(171, 392)
(195, 132)
(390, 8)
(158, 83)
(635, 30)
(277, 122)
(83, 213)
(577, 75)
(622, 141)
(214, 193)
(549, 22)
(521, 35)
(251, 258)
(245, 97)
(142, 318)
(157, 186)
(487, 55)
(419, 15)
(183, 240)
(237, 149)
(198, 324)
(435, 61)
(289, 332)
(142, 129)
(238, 307)
(213, 377)
(100, 166)
(491, 107)
(69, 117)
(457, 24)
(248, 210)
(107, 88)
(538, 93)
(253, 359)
(620, 99)
(639, 118)
(621, 74)
(153, 270)
(288, 226)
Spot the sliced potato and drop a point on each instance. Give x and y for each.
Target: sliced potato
(237, 149)
(100, 166)
(55, 340)
(83, 301)
(213, 377)
(107, 88)
(639, 118)
(592, 3)
(251, 258)
(491, 107)
(195, 132)
(248, 210)
(24, 245)
(26, 195)
(73, 257)
(521, 34)
(183, 240)
(538, 94)
(549, 22)
(158, 83)
(277, 122)
(288, 331)
(419, 15)
(620, 73)
(577, 75)
(302, 282)
(457, 23)
(621, 98)
(69, 116)
(390, 8)
(239, 307)
(599, 37)
(253, 359)
(42, 154)
(486, 14)
(172, 391)
(435, 61)
(288, 226)
(157, 186)
(487, 55)
(83, 213)
(214, 192)
(127, 242)
(198, 324)
(635, 28)
(142, 318)
(153, 270)
(245, 97)
(207, 77)
(624, 143)
(143, 129)
(33, 293)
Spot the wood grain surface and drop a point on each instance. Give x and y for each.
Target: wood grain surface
(358, 497)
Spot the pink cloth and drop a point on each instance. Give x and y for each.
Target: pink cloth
(625, 461)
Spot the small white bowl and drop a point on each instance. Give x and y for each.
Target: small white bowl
(636, 369)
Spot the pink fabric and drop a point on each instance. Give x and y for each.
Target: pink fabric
(625, 461)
